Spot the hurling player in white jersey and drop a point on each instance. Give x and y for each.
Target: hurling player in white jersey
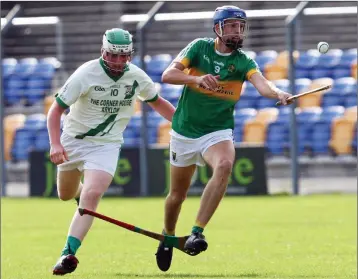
(101, 95)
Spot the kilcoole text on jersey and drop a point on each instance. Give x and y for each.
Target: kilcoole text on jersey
(219, 89)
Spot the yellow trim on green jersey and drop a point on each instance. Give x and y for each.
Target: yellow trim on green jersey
(201, 111)
(250, 73)
(228, 90)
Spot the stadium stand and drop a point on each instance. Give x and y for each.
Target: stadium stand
(326, 121)
(255, 129)
(314, 100)
(278, 69)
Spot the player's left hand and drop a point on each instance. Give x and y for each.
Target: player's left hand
(283, 96)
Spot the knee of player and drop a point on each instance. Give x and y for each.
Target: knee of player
(64, 196)
(92, 193)
(224, 167)
(177, 197)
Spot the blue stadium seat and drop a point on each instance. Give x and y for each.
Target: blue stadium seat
(25, 67)
(13, 96)
(343, 69)
(302, 84)
(249, 97)
(240, 117)
(36, 82)
(131, 142)
(277, 135)
(306, 118)
(350, 99)
(135, 125)
(23, 142)
(8, 66)
(264, 57)
(41, 141)
(35, 121)
(46, 68)
(342, 89)
(135, 60)
(332, 98)
(156, 78)
(16, 83)
(157, 65)
(171, 92)
(153, 120)
(14, 89)
(326, 63)
(264, 102)
(34, 96)
(306, 62)
(168, 89)
(345, 84)
(321, 132)
(247, 101)
(129, 133)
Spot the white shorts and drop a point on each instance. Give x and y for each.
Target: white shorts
(187, 151)
(85, 155)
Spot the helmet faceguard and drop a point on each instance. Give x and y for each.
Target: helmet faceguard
(230, 25)
(117, 49)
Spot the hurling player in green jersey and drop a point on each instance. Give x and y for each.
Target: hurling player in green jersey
(212, 72)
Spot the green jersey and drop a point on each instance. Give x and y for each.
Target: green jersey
(200, 110)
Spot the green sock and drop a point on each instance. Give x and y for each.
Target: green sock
(197, 229)
(72, 245)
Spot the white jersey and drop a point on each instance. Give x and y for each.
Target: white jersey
(101, 105)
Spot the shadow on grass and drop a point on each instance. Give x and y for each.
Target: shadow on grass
(188, 275)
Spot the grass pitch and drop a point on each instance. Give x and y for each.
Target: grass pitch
(249, 237)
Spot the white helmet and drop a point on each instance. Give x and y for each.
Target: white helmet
(117, 49)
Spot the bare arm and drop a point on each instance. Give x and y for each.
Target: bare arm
(267, 89)
(57, 153)
(174, 75)
(54, 122)
(163, 107)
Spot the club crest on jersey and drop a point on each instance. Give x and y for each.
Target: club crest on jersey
(130, 90)
(231, 68)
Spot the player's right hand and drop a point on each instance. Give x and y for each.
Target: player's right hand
(208, 81)
(58, 154)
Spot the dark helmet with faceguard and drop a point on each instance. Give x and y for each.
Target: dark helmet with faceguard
(222, 14)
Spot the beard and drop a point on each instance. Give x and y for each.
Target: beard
(234, 43)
